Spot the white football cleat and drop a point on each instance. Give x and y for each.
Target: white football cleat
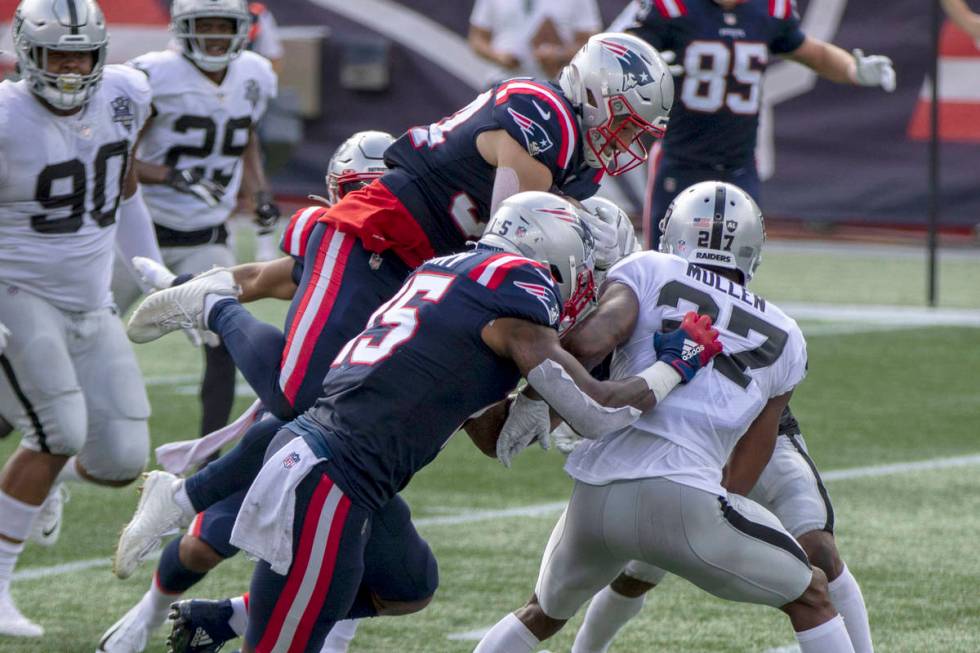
(47, 524)
(157, 515)
(181, 307)
(128, 635)
(12, 622)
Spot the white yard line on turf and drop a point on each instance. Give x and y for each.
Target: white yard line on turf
(544, 509)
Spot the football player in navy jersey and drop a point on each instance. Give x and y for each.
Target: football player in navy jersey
(724, 47)
(452, 342)
(444, 180)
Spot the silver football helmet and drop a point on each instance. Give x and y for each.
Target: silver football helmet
(622, 89)
(183, 21)
(41, 26)
(715, 223)
(548, 229)
(357, 162)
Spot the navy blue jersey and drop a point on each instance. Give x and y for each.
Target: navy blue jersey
(715, 115)
(400, 389)
(440, 177)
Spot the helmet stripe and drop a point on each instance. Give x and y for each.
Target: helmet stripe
(719, 217)
(73, 16)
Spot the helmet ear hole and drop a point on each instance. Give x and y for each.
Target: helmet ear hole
(590, 99)
(556, 273)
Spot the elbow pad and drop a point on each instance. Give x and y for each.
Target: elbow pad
(589, 418)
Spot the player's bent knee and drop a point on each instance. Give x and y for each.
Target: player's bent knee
(822, 551)
(533, 616)
(815, 600)
(398, 608)
(626, 585)
(122, 458)
(197, 555)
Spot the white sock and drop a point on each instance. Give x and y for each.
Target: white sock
(239, 619)
(509, 635)
(182, 499)
(845, 594)
(156, 603)
(340, 636)
(608, 612)
(9, 551)
(209, 301)
(829, 637)
(69, 473)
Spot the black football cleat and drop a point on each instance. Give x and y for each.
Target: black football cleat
(199, 626)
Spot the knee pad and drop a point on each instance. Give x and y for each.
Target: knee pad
(119, 450)
(64, 425)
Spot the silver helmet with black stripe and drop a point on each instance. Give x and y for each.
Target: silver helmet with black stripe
(184, 15)
(715, 223)
(44, 26)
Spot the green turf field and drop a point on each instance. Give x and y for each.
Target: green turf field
(879, 394)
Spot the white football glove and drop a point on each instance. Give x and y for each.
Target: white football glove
(565, 438)
(873, 70)
(670, 58)
(156, 275)
(612, 229)
(4, 334)
(527, 420)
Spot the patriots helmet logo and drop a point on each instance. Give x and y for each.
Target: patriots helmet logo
(635, 70)
(535, 137)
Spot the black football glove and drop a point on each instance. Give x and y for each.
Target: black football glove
(193, 182)
(267, 212)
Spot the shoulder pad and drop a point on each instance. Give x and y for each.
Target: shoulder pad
(297, 232)
(538, 117)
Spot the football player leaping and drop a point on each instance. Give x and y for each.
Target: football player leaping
(197, 150)
(70, 380)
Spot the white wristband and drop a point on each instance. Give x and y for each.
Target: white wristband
(661, 378)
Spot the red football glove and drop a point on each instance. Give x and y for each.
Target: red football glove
(689, 347)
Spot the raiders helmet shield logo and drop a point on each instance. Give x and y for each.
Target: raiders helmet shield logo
(731, 225)
(535, 137)
(635, 70)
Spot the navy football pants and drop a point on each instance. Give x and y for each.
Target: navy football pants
(672, 177)
(343, 556)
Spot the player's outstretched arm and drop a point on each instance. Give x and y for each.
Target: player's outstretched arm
(517, 171)
(265, 279)
(605, 328)
(754, 449)
(835, 64)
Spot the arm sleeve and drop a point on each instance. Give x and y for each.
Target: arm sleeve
(268, 89)
(787, 34)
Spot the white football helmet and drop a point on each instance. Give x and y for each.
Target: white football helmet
(183, 20)
(622, 89)
(41, 26)
(613, 231)
(357, 162)
(548, 229)
(717, 224)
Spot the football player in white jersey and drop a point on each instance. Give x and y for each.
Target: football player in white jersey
(653, 491)
(789, 486)
(198, 150)
(68, 194)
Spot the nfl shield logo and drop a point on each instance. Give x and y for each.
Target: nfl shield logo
(290, 460)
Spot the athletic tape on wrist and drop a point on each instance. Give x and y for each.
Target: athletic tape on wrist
(661, 378)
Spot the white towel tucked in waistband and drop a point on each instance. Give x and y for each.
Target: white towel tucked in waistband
(264, 527)
(178, 457)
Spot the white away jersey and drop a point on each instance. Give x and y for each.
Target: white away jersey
(689, 436)
(60, 185)
(200, 124)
